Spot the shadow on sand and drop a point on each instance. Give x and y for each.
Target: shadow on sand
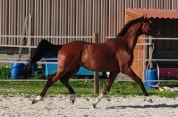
(145, 106)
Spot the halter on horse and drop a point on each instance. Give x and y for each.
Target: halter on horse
(115, 56)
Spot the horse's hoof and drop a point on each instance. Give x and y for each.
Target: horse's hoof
(94, 105)
(72, 101)
(148, 99)
(34, 101)
(87, 99)
(72, 98)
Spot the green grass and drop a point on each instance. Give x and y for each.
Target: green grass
(82, 88)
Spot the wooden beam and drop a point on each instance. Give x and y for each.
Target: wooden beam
(29, 34)
(96, 75)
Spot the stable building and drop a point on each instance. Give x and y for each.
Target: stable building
(167, 22)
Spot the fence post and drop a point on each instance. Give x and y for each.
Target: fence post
(29, 34)
(96, 75)
(150, 50)
(23, 40)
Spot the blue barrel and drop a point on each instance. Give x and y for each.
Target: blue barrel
(151, 74)
(84, 71)
(50, 68)
(30, 71)
(16, 70)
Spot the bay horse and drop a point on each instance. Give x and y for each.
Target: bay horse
(115, 56)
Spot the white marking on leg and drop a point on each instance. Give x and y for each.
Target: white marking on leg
(108, 73)
(148, 99)
(72, 97)
(98, 99)
(38, 98)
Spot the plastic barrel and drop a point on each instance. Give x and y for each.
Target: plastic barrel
(50, 69)
(16, 70)
(151, 74)
(84, 71)
(30, 71)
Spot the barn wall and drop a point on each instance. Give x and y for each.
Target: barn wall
(69, 17)
(62, 17)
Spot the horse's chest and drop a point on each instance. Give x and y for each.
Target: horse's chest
(125, 58)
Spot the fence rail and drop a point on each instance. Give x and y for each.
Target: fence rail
(36, 46)
(23, 36)
(83, 37)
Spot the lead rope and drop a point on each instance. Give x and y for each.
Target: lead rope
(164, 88)
(157, 85)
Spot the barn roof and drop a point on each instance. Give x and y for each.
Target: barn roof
(155, 13)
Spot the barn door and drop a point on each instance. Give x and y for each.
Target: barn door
(139, 53)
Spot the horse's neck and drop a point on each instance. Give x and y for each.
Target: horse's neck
(132, 35)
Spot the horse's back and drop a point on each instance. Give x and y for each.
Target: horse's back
(72, 47)
(98, 56)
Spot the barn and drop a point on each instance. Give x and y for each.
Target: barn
(167, 22)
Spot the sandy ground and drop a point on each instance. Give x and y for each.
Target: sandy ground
(59, 106)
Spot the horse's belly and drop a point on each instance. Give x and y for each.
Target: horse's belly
(95, 65)
(99, 58)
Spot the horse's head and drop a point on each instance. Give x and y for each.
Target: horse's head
(148, 28)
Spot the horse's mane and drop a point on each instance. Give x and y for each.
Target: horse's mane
(127, 26)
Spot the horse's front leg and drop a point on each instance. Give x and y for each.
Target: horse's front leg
(129, 72)
(107, 88)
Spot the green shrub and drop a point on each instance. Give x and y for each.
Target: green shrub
(38, 75)
(4, 72)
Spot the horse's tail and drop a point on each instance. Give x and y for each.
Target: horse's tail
(44, 48)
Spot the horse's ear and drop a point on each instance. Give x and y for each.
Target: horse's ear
(144, 16)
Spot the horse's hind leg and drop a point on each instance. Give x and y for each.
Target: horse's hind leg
(132, 75)
(49, 83)
(65, 81)
(107, 88)
(104, 75)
